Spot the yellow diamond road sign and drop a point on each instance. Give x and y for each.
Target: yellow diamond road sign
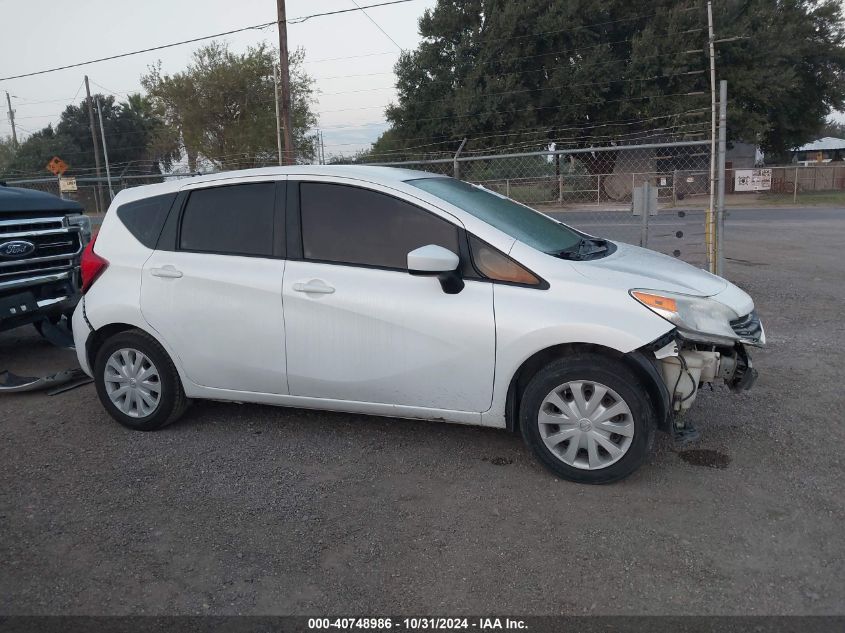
(57, 166)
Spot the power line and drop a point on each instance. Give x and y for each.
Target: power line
(112, 92)
(590, 126)
(255, 27)
(344, 92)
(319, 15)
(258, 158)
(302, 19)
(623, 60)
(536, 130)
(485, 95)
(544, 88)
(345, 57)
(489, 62)
(557, 107)
(378, 26)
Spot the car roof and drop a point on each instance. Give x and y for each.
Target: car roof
(15, 199)
(370, 173)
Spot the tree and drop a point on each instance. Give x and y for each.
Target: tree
(835, 129)
(527, 74)
(33, 154)
(223, 109)
(787, 76)
(137, 140)
(7, 153)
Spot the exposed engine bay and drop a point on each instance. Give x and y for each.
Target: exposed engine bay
(686, 366)
(689, 360)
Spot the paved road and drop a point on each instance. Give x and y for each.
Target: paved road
(786, 214)
(681, 232)
(260, 510)
(740, 214)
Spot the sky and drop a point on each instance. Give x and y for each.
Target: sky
(345, 53)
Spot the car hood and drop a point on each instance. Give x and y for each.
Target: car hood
(636, 267)
(17, 200)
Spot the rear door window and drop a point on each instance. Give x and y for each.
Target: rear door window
(230, 220)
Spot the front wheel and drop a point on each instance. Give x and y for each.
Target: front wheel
(137, 382)
(587, 418)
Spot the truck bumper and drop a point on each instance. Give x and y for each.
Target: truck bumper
(48, 297)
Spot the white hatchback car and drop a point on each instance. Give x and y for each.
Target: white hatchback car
(401, 293)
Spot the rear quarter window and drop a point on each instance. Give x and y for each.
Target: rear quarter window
(230, 220)
(145, 218)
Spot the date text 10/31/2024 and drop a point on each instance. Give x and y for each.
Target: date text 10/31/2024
(413, 624)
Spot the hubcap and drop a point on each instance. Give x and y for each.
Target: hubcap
(132, 383)
(586, 424)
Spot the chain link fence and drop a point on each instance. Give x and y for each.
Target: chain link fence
(791, 182)
(89, 186)
(591, 189)
(588, 188)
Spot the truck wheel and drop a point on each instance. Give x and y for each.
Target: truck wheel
(587, 418)
(137, 382)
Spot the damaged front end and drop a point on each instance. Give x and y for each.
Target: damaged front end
(686, 366)
(690, 360)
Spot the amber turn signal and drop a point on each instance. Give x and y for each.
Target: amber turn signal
(656, 301)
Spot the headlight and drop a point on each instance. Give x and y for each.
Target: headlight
(83, 222)
(697, 318)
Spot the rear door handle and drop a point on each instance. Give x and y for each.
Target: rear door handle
(315, 286)
(168, 272)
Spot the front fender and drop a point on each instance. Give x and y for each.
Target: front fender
(644, 362)
(529, 321)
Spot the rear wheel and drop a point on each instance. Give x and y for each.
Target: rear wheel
(137, 382)
(587, 418)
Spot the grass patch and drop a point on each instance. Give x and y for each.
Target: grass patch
(808, 198)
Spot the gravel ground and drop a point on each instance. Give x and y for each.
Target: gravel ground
(259, 510)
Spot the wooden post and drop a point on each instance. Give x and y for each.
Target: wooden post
(285, 82)
(98, 198)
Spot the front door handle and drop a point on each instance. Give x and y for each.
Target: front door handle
(315, 286)
(167, 272)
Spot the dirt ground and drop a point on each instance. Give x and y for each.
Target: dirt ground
(242, 509)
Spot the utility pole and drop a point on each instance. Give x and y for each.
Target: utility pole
(709, 231)
(285, 81)
(278, 119)
(99, 197)
(12, 121)
(105, 150)
(720, 200)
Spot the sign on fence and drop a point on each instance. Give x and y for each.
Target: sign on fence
(67, 184)
(753, 180)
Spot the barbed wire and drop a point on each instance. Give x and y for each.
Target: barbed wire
(560, 141)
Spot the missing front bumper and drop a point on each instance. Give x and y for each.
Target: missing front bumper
(685, 368)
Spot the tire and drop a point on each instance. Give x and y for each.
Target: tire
(130, 349)
(595, 458)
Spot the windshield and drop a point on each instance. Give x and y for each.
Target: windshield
(528, 226)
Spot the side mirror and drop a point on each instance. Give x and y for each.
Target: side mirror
(432, 259)
(440, 262)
